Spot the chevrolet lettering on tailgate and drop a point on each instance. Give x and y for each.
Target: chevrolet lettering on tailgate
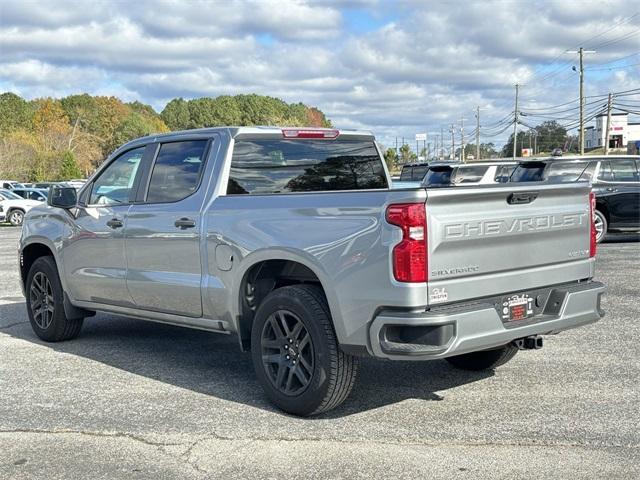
(538, 223)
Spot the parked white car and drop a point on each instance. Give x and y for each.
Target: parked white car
(14, 207)
(10, 184)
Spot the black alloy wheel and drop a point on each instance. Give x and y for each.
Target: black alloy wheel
(41, 300)
(45, 303)
(287, 353)
(295, 352)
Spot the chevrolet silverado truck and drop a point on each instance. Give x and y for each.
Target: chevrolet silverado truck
(292, 240)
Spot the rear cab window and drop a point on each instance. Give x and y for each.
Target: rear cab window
(469, 174)
(528, 172)
(503, 173)
(419, 172)
(438, 176)
(272, 166)
(568, 172)
(407, 173)
(624, 171)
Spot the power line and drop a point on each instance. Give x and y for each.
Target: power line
(613, 27)
(618, 59)
(617, 40)
(621, 67)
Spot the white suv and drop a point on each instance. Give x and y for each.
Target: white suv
(14, 207)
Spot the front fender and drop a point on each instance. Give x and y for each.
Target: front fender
(49, 227)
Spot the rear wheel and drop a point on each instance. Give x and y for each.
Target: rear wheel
(16, 217)
(601, 225)
(45, 305)
(295, 352)
(485, 359)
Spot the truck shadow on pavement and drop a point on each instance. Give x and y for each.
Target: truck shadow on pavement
(213, 364)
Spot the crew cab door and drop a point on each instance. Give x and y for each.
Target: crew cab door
(94, 257)
(163, 231)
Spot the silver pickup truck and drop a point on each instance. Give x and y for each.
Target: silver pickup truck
(292, 240)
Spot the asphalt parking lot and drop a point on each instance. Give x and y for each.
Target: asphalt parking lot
(131, 399)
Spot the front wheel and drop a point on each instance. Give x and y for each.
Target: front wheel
(600, 222)
(484, 359)
(295, 352)
(45, 305)
(16, 217)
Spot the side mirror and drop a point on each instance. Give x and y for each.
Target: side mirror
(62, 197)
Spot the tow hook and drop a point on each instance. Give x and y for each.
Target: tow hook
(533, 342)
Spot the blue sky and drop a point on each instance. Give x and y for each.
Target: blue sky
(396, 68)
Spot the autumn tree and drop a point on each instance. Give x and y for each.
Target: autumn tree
(46, 139)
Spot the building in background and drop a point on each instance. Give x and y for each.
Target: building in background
(621, 131)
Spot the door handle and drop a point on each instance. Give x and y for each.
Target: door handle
(115, 223)
(611, 189)
(184, 223)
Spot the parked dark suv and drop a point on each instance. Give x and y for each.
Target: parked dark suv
(616, 183)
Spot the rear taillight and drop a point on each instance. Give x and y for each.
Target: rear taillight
(410, 255)
(592, 212)
(309, 133)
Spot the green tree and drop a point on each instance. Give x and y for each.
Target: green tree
(549, 134)
(69, 167)
(15, 113)
(487, 150)
(406, 154)
(391, 158)
(176, 114)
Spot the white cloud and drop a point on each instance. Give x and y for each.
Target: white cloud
(414, 66)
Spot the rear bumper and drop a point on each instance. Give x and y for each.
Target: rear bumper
(460, 329)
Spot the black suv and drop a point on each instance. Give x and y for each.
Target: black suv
(616, 183)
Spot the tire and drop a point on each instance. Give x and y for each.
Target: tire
(601, 226)
(308, 337)
(485, 359)
(46, 312)
(16, 217)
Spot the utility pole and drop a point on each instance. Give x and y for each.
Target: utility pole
(396, 146)
(462, 155)
(581, 53)
(441, 152)
(606, 141)
(477, 133)
(453, 142)
(515, 123)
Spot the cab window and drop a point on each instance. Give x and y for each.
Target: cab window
(114, 184)
(177, 171)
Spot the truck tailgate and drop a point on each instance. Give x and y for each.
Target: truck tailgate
(490, 240)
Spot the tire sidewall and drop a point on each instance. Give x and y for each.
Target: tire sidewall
(605, 225)
(20, 216)
(47, 266)
(311, 398)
